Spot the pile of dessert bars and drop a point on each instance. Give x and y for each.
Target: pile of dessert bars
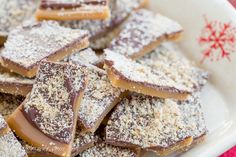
(95, 78)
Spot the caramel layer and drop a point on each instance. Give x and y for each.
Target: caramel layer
(26, 131)
(118, 82)
(3, 38)
(101, 12)
(15, 89)
(153, 45)
(64, 52)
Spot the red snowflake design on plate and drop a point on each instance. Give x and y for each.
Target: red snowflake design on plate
(217, 39)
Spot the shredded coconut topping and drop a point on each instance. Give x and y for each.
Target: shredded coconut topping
(141, 29)
(8, 104)
(14, 12)
(152, 122)
(10, 146)
(105, 150)
(30, 44)
(176, 67)
(50, 104)
(140, 73)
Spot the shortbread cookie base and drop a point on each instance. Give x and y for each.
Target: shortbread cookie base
(174, 37)
(57, 56)
(15, 89)
(26, 131)
(101, 12)
(119, 82)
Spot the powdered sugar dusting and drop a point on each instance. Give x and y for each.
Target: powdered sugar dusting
(3, 123)
(141, 29)
(10, 146)
(99, 97)
(139, 73)
(14, 12)
(105, 150)
(147, 122)
(176, 67)
(6, 77)
(50, 104)
(28, 45)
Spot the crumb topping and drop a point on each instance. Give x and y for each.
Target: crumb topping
(176, 67)
(10, 146)
(8, 104)
(105, 150)
(50, 104)
(28, 45)
(6, 77)
(98, 98)
(86, 55)
(143, 74)
(119, 10)
(14, 12)
(152, 122)
(141, 29)
(147, 122)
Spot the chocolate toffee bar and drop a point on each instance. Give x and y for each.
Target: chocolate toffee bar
(143, 32)
(106, 150)
(15, 84)
(128, 74)
(28, 45)
(73, 10)
(12, 14)
(9, 145)
(82, 142)
(9, 103)
(151, 124)
(48, 116)
(86, 55)
(99, 98)
(120, 9)
(176, 66)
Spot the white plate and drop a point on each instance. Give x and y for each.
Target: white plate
(218, 97)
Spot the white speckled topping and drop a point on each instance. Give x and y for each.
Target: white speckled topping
(98, 99)
(119, 10)
(28, 45)
(50, 106)
(14, 12)
(8, 104)
(147, 122)
(176, 67)
(6, 77)
(139, 73)
(10, 146)
(193, 116)
(82, 140)
(86, 55)
(141, 29)
(3, 123)
(105, 150)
